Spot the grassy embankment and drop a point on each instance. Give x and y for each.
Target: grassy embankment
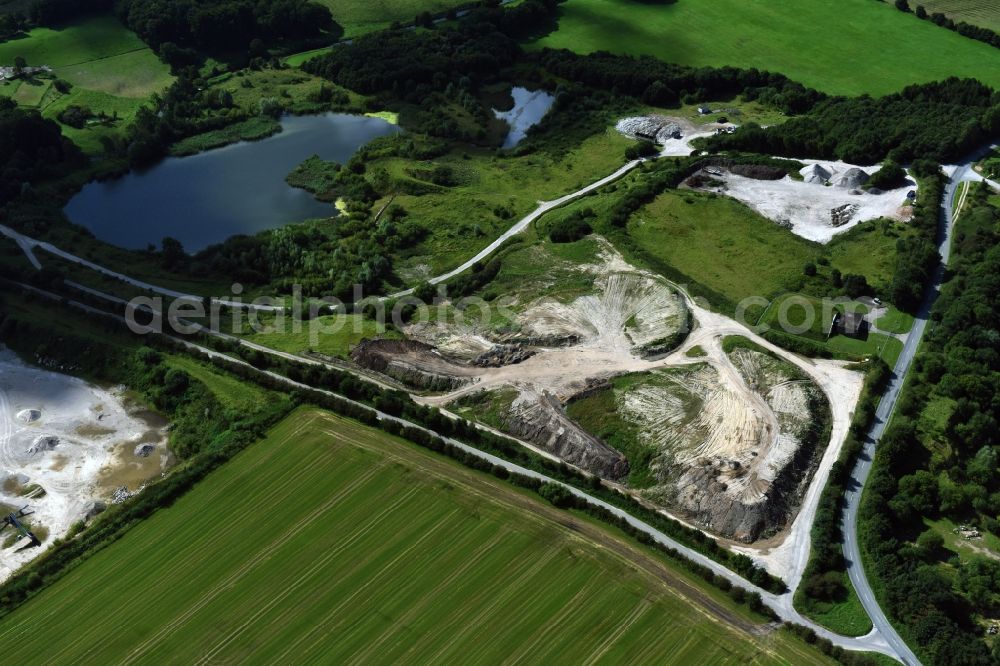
(733, 253)
(849, 47)
(110, 70)
(444, 553)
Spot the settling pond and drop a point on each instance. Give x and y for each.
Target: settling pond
(530, 106)
(239, 189)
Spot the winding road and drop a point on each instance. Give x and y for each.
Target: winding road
(852, 549)
(883, 637)
(522, 224)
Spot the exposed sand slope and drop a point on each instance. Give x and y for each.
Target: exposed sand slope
(737, 418)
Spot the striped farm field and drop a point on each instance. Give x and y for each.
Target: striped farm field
(984, 13)
(332, 542)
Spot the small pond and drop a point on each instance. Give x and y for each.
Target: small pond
(239, 189)
(530, 106)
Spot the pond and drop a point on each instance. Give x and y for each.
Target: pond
(530, 106)
(239, 189)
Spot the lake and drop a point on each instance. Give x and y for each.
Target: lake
(530, 106)
(239, 189)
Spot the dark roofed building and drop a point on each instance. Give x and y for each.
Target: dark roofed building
(851, 324)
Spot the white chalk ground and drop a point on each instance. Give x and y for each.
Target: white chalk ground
(562, 371)
(669, 146)
(97, 433)
(805, 207)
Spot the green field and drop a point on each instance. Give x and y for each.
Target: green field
(847, 617)
(845, 47)
(734, 253)
(461, 219)
(722, 244)
(111, 71)
(332, 542)
(334, 335)
(984, 13)
(799, 315)
(97, 54)
(231, 392)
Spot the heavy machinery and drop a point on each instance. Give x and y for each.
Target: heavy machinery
(13, 520)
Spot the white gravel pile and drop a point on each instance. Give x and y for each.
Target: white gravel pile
(813, 209)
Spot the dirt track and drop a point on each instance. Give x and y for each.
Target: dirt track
(562, 372)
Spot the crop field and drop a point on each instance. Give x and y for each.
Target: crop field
(847, 47)
(111, 71)
(985, 13)
(330, 541)
(361, 16)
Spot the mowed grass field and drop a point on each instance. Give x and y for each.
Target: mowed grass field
(984, 13)
(332, 542)
(845, 47)
(110, 68)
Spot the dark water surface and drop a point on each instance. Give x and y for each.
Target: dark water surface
(239, 189)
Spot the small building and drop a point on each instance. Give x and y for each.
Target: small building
(851, 324)
(704, 110)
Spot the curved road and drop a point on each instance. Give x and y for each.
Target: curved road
(852, 550)
(781, 604)
(883, 638)
(522, 224)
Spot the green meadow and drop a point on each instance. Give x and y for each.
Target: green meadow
(109, 68)
(845, 47)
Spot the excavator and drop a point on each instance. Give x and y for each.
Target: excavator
(13, 520)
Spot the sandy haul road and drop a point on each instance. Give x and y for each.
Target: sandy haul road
(74, 440)
(605, 349)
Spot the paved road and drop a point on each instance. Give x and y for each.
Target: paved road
(29, 245)
(859, 475)
(781, 604)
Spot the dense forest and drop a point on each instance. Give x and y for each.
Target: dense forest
(31, 148)
(411, 63)
(656, 82)
(941, 121)
(209, 25)
(939, 460)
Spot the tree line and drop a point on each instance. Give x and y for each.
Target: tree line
(32, 148)
(945, 466)
(976, 32)
(942, 121)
